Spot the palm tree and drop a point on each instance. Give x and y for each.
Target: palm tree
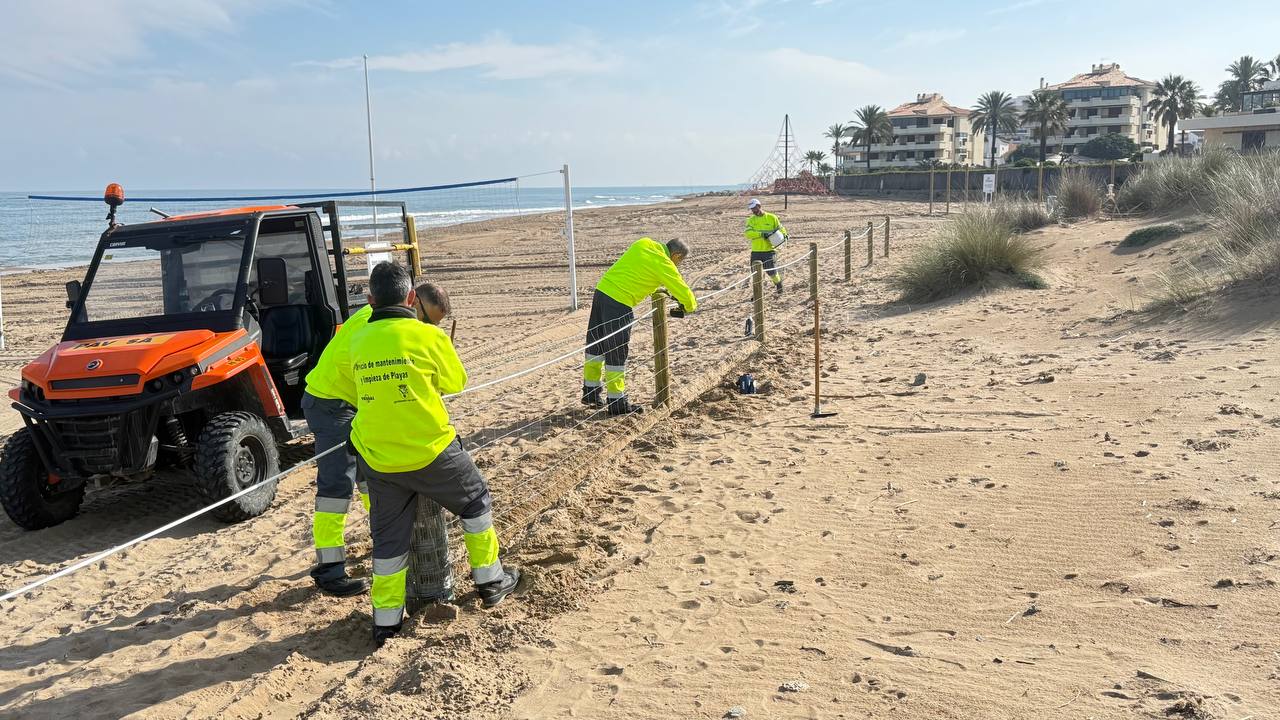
(825, 169)
(1275, 67)
(836, 132)
(1248, 74)
(1207, 110)
(813, 157)
(1174, 97)
(871, 125)
(995, 113)
(1228, 94)
(1048, 110)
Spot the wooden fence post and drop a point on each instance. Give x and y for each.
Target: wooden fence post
(757, 298)
(813, 271)
(886, 236)
(1040, 183)
(661, 358)
(848, 255)
(871, 243)
(1113, 173)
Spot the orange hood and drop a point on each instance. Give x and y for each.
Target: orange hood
(123, 364)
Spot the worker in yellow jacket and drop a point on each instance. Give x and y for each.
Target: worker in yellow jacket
(328, 404)
(406, 447)
(642, 269)
(766, 234)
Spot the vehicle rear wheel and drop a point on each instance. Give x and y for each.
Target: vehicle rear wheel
(236, 450)
(31, 498)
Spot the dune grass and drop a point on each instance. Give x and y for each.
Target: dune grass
(1079, 195)
(1170, 184)
(1021, 215)
(976, 249)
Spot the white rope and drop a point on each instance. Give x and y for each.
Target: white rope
(164, 528)
(191, 516)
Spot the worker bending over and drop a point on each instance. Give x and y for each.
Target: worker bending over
(329, 405)
(766, 235)
(406, 446)
(642, 269)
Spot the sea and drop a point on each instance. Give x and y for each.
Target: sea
(52, 234)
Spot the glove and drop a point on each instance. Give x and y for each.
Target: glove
(678, 311)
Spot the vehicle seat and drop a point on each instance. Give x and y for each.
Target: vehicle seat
(287, 331)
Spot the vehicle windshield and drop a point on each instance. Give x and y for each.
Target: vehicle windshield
(170, 274)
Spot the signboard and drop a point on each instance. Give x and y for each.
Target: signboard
(989, 184)
(377, 252)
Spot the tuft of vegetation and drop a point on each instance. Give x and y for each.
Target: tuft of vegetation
(977, 249)
(1154, 234)
(1180, 287)
(1021, 215)
(1245, 214)
(1079, 196)
(1173, 183)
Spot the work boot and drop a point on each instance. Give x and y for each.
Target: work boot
(621, 406)
(778, 286)
(591, 396)
(492, 593)
(332, 579)
(382, 633)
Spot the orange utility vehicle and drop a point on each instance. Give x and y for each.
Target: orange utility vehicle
(186, 347)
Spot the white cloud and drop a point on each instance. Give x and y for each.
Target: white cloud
(822, 69)
(920, 39)
(496, 55)
(48, 42)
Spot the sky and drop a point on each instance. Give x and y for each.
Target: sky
(249, 94)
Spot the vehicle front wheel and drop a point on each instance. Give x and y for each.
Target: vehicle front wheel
(236, 450)
(31, 497)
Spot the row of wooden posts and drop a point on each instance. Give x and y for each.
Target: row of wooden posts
(995, 171)
(662, 355)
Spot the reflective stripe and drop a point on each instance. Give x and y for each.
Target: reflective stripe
(592, 383)
(477, 524)
(363, 487)
(327, 529)
(482, 548)
(390, 566)
(486, 574)
(388, 617)
(326, 555)
(615, 368)
(595, 358)
(332, 505)
(617, 395)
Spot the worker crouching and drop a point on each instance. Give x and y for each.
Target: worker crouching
(406, 447)
(643, 268)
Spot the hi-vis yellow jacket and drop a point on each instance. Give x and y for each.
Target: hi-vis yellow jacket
(402, 367)
(757, 226)
(642, 269)
(331, 379)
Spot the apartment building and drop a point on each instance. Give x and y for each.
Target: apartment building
(1253, 130)
(1106, 100)
(925, 131)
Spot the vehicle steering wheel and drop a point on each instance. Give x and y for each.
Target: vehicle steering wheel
(212, 303)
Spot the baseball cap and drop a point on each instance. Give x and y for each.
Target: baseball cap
(753, 204)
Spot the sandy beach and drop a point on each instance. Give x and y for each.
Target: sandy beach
(1030, 504)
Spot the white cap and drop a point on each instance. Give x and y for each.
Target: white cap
(753, 204)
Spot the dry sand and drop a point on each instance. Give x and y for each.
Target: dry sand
(1074, 514)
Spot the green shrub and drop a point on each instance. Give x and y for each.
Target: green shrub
(1079, 196)
(973, 250)
(1154, 234)
(1112, 146)
(1021, 215)
(1245, 213)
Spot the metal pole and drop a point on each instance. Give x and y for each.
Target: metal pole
(1040, 184)
(786, 158)
(568, 234)
(848, 255)
(813, 272)
(661, 358)
(368, 118)
(966, 188)
(757, 298)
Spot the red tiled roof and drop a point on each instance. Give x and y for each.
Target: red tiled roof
(928, 105)
(1101, 76)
